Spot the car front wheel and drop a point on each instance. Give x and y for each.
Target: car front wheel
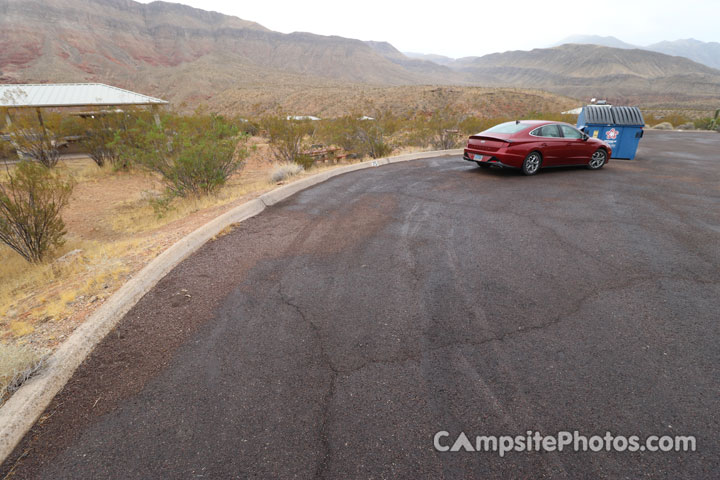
(598, 159)
(532, 162)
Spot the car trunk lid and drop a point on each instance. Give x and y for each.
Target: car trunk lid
(488, 143)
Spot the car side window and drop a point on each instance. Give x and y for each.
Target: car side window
(569, 132)
(547, 131)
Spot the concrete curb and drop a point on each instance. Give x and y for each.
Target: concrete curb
(23, 409)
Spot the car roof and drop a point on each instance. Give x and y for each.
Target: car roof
(543, 122)
(537, 123)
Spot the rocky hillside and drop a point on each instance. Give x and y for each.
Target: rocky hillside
(609, 41)
(179, 52)
(707, 53)
(585, 71)
(336, 100)
(196, 57)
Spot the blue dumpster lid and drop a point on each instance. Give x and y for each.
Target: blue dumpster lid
(597, 114)
(627, 116)
(606, 115)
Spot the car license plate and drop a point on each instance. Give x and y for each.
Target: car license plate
(478, 158)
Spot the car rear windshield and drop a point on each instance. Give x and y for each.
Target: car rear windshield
(508, 127)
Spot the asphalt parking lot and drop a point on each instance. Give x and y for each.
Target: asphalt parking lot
(334, 334)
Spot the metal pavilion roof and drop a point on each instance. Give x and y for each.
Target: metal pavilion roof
(70, 95)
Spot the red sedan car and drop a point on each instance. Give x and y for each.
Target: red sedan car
(533, 144)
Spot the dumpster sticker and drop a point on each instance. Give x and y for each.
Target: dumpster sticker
(612, 134)
(595, 133)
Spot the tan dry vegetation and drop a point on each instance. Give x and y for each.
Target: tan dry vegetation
(329, 101)
(17, 364)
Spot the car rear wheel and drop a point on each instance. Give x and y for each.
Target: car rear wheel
(483, 165)
(598, 159)
(532, 163)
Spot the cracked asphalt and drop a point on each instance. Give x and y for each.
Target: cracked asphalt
(334, 334)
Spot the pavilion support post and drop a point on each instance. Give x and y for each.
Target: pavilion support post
(40, 118)
(8, 120)
(46, 137)
(156, 115)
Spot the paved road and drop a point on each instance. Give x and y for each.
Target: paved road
(333, 335)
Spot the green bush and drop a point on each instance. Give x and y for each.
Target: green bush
(287, 139)
(362, 136)
(128, 135)
(248, 128)
(100, 139)
(30, 203)
(6, 148)
(71, 125)
(37, 137)
(704, 123)
(193, 155)
(673, 118)
(305, 161)
(443, 130)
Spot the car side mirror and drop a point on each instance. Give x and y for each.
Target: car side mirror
(585, 137)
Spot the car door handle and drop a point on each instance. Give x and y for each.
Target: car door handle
(543, 144)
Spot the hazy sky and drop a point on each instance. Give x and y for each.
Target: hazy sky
(458, 28)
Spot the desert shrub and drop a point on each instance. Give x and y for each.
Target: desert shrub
(446, 139)
(129, 134)
(414, 132)
(374, 135)
(30, 204)
(704, 123)
(104, 137)
(283, 171)
(363, 137)
(161, 205)
(439, 130)
(247, 127)
(444, 130)
(72, 125)
(674, 118)
(193, 155)
(38, 137)
(17, 364)
(6, 148)
(305, 161)
(471, 125)
(287, 138)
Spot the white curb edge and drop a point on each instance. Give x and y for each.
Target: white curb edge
(25, 406)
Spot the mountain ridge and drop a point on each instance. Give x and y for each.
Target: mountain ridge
(607, 41)
(705, 53)
(191, 56)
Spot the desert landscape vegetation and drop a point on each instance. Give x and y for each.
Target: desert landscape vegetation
(128, 186)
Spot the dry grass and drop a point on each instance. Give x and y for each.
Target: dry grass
(17, 364)
(35, 298)
(141, 216)
(283, 171)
